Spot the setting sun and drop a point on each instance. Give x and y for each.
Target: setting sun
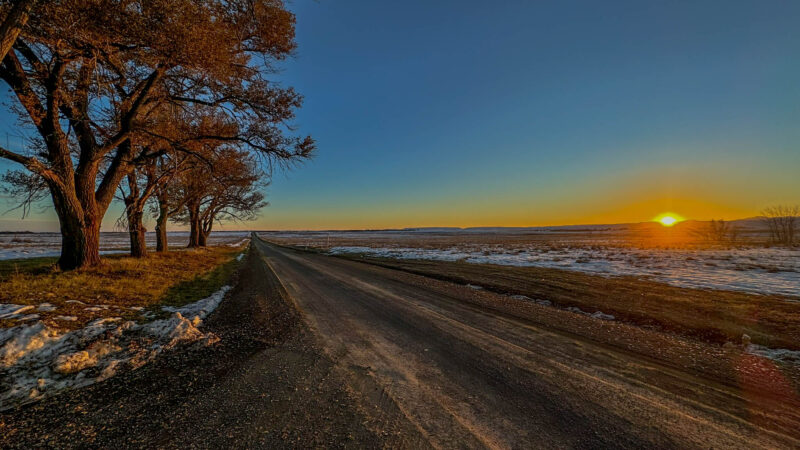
(668, 219)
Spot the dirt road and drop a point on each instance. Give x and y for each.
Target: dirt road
(336, 353)
(469, 376)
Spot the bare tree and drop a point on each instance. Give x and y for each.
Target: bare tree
(166, 203)
(718, 232)
(143, 182)
(228, 187)
(782, 222)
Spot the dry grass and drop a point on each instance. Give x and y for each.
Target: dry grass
(122, 287)
(708, 315)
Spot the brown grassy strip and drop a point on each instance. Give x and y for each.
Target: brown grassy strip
(121, 283)
(710, 315)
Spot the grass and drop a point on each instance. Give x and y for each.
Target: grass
(122, 287)
(708, 315)
(29, 265)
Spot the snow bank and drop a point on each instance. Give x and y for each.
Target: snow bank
(36, 360)
(201, 308)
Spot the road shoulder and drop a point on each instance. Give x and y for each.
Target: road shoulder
(265, 384)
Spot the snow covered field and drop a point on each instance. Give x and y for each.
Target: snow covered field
(595, 250)
(34, 245)
(754, 270)
(37, 360)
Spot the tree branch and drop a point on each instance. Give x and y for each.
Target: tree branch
(13, 74)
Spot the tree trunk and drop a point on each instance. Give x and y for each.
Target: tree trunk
(80, 233)
(194, 235)
(80, 246)
(137, 231)
(203, 238)
(205, 230)
(161, 224)
(194, 226)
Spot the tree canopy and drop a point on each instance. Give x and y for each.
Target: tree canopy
(93, 77)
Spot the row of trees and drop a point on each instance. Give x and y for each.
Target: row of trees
(152, 99)
(227, 185)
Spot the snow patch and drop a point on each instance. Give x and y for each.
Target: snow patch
(10, 310)
(28, 317)
(597, 314)
(775, 354)
(37, 360)
(535, 300)
(240, 243)
(22, 340)
(201, 308)
(66, 318)
(602, 316)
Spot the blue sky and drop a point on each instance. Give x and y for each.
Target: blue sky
(529, 113)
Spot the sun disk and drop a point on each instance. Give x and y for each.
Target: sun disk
(668, 219)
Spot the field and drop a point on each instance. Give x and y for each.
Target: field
(33, 245)
(714, 294)
(747, 267)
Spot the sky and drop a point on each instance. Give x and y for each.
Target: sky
(519, 113)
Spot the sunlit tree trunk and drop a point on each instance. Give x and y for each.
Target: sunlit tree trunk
(80, 233)
(136, 230)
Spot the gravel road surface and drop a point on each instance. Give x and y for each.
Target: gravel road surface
(468, 376)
